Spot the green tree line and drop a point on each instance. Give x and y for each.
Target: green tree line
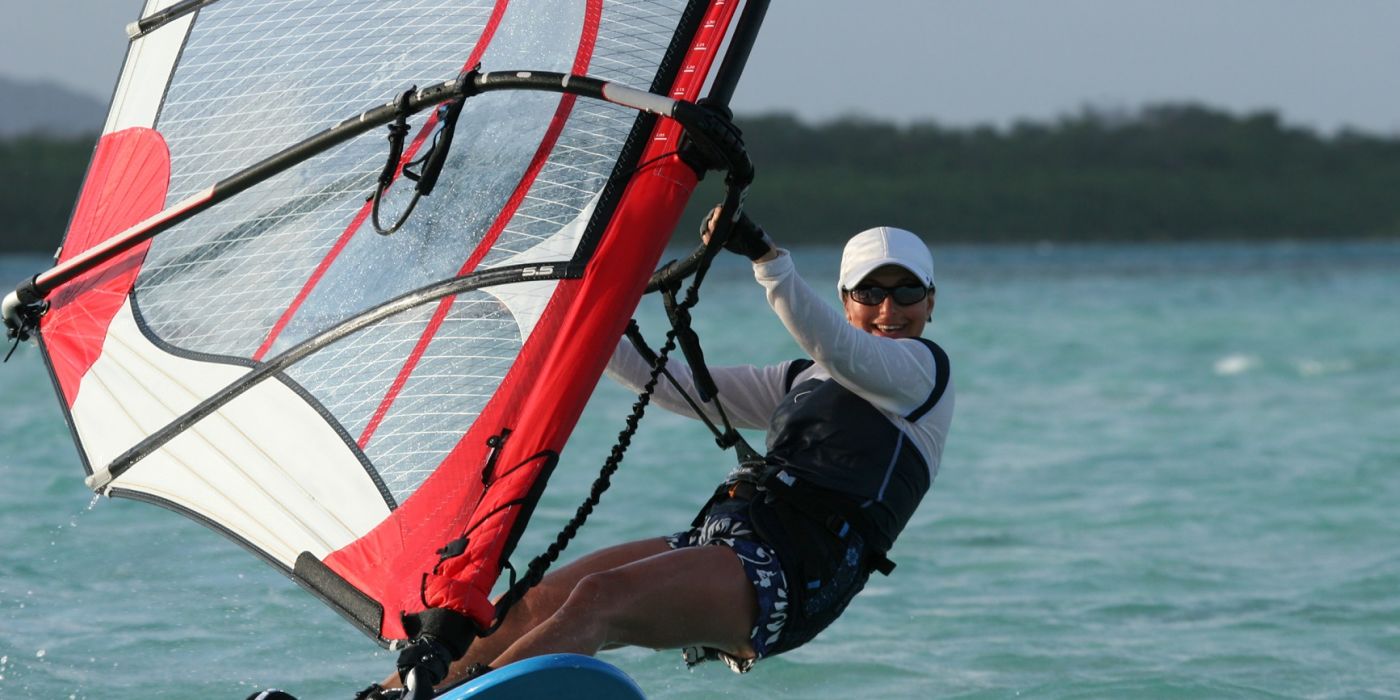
(1165, 172)
(39, 181)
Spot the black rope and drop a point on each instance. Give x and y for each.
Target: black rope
(535, 572)
(397, 131)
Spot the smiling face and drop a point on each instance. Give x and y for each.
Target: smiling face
(888, 319)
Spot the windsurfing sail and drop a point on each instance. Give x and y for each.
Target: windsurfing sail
(340, 402)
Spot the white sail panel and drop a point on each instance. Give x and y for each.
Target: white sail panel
(266, 468)
(146, 71)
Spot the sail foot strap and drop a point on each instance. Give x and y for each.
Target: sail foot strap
(431, 162)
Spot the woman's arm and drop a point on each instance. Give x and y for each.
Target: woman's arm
(896, 375)
(749, 394)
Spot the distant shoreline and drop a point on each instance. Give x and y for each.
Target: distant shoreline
(1165, 173)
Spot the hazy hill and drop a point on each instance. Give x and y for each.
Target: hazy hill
(31, 107)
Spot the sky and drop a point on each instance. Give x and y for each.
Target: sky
(1324, 64)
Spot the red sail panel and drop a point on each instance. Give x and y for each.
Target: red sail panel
(126, 183)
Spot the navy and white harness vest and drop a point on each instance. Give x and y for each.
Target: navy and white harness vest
(829, 437)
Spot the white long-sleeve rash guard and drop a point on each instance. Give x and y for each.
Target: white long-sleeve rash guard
(895, 376)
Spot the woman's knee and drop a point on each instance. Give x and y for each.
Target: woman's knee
(556, 588)
(598, 591)
(600, 600)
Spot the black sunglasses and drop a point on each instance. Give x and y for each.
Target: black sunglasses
(904, 294)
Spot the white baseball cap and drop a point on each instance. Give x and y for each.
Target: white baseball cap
(875, 248)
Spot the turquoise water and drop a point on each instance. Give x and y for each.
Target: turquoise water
(1173, 473)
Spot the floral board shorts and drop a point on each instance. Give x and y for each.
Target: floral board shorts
(731, 527)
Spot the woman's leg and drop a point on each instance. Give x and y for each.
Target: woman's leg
(541, 602)
(697, 596)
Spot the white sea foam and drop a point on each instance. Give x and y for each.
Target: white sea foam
(1314, 368)
(1235, 364)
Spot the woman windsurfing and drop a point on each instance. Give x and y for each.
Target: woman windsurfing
(855, 436)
